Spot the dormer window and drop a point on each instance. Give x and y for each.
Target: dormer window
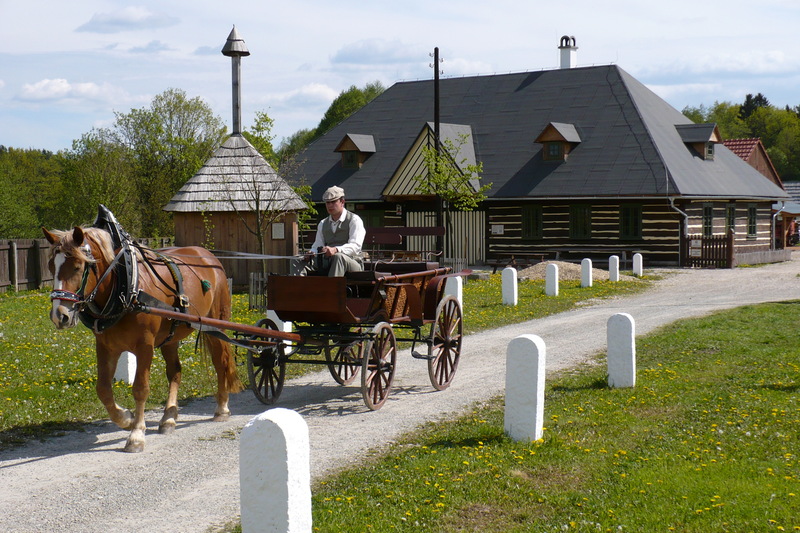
(701, 138)
(355, 149)
(553, 151)
(558, 140)
(350, 159)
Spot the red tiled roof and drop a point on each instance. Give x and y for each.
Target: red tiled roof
(742, 147)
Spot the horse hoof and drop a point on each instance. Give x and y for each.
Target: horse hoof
(167, 428)
(134, 447)
(135, 443)
(222, 417)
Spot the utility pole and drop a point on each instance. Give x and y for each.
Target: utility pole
(437, 143)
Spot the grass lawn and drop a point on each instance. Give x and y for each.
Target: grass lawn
(706, 441)
(48, 377)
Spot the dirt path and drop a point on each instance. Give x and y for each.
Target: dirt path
(188, 481)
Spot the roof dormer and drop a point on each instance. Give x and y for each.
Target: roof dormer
(701, 137)
(558, 140)
(355, 149)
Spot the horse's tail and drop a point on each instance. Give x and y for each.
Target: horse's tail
(227, 362)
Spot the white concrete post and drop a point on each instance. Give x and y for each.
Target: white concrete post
(455, 287)
(613, 268)
(286, 327)
(551, 280)
(621, 338)
(638, 269)
(510, 289)
(275, 473)
(525, 373)
(586, 272)
(126, 367)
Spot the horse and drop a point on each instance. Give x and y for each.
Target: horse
(85, 268)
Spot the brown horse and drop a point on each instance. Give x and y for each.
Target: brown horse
(85, 267)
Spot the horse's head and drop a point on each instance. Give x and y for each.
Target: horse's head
(71, 262)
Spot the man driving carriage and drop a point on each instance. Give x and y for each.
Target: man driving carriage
(337, 245)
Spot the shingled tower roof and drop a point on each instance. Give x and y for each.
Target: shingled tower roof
(235, 178)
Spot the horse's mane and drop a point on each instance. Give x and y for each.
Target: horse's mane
(100, 238)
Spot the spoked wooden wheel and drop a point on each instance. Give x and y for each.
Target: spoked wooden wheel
(445, 347)
(341, 364)
(266, 370)
(379, 362)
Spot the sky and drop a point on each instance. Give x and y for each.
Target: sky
(66, 67)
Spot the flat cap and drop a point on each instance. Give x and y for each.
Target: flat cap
(333, 193)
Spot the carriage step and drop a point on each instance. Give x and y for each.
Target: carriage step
(416, 355)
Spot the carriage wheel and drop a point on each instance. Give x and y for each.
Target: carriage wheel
(341, 365)
(267, 369)
(379, 362)
(444, 350)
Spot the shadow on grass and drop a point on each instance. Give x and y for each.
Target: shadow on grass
(595, 384)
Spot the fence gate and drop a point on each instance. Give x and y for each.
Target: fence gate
(715, 251)
(467, 234)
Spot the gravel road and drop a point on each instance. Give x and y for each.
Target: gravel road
(188, 481)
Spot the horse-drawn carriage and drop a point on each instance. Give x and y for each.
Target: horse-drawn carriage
(136, 299)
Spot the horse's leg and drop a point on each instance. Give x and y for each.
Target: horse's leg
(141, 390)
(220, 356)
(173, 364)
(106, 365)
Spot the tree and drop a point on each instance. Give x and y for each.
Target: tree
(751, 103)
(347, 103)
(261, 137)
(103, 171)
(30, 189)
(452, 179)
(168, 142)
(344, 105)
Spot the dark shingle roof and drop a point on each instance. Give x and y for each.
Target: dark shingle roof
(629, 143)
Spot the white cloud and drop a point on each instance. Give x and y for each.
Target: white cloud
(153, 47)
(378, 52)
(312, 94)
(2, 84)
(60, 89)
(129, 18)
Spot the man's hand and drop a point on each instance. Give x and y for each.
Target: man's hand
(329, 251)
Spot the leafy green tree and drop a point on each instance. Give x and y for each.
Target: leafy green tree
(261, 137)
(347, 103)
(751, 104)
(295, 143)
(168, 142)
(30, 189)
(103, 171)
(344, 105)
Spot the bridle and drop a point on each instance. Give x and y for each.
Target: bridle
(77, 297)
(85, 304)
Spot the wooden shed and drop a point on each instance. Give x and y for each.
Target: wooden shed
(222, 206)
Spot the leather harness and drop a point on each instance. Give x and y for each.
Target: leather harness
(126, 295)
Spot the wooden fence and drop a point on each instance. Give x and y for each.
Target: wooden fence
(716, 251)
(23, 262)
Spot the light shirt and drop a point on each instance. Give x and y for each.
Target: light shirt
(355, 239)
